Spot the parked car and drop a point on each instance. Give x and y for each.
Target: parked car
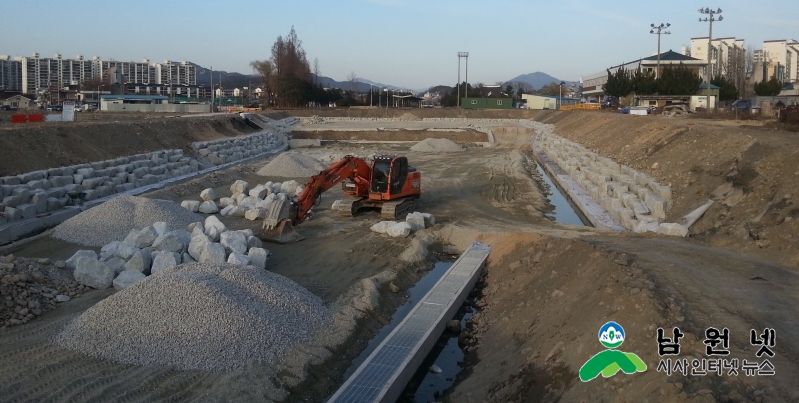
(5, 107)
(741, 105)
(610, 102)
(55, 108)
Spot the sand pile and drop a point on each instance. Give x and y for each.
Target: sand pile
(208, 317)
(113, 220)
(292, 164)
(437, 146)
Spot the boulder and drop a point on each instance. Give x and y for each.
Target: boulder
(126, 251)
(227, 201)
(110, 249)
(163, 260)
(399, 230)
(208, 195)
(127, 278)
(208, 207)
(169, 242)
(140, 261)
(234, 241)
(238, 258)
(161, 228)
(382, 226)
(190, 228)
(72, 261)
(93, 273)
(416, 221)
(254, 242)
(213, 252)
(258, 257)
(214, 234)
(196, 245)
(191, 205)
(226, 210)
(239, 187)
(62, 298)
(186, 258)
(258, 192)
(212, 221)
(673, 229)
(289, 187)
(144, 238)
(116, 264)
(256, 214)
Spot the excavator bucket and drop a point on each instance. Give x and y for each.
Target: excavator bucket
(283, 232)
(277, 225)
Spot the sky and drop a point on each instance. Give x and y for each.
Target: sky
(406, 43)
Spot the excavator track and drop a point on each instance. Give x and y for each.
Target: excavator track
(397, 209)
(347, 207)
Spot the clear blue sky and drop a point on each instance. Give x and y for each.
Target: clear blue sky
(407, 43)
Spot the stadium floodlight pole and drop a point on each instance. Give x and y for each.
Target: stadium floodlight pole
(460, 55)
(710, 18)
(656, 29)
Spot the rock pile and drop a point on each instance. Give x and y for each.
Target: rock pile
(313, 120)
(292, 165)
(251, 203)
(112, 220)
(31, 287)
(237, 148)
(413, 222)
(155, 248)
(199, 316)
(436, 146)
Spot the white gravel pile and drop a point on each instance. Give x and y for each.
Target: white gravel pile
(208, 317)
(437, 146)
(292, 165)
(113, 220)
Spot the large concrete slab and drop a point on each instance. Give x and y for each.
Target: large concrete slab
(385, 373)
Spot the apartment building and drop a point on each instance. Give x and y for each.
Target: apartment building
(781, 57)
(10, 74)
(176, 73)
(40, 73)
(727, 57)
(133, 72)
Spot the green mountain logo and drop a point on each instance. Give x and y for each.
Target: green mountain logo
(609, 362)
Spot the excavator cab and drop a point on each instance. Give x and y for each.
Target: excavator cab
(381, 168)
(389, 174)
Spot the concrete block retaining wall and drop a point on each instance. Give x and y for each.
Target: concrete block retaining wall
(36, 193)
(632, 198)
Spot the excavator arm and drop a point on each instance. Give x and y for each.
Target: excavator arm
(353, 168)
(284, 214)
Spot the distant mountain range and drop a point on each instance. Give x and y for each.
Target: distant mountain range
(238, 80)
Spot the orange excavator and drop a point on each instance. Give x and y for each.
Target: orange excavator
(390, 184)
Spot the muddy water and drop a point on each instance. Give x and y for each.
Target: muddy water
(565, 212)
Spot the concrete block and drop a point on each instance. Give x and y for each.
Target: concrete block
(54, 204)
(9, 180)
(12, 201)
(672, 229)
(664, 192)
(12, 214)
(90, 195)
(28, 210)
(73, 188)
(67, 171)
(86, 172)
(23, 194)
(619, 191)
(39, 200)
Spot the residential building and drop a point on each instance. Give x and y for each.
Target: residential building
(757, 56)
(39, 73)
(10, 74)
(593, 84)
(535, 101)
(486, 103)
(176, 73)
(133, 72)
(783, 57)
(727, 57)
(19, 102)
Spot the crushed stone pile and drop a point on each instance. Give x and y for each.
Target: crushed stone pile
(437, 146)
(293, 165)
(207, 317)
(113, 220)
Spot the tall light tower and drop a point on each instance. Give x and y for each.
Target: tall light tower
(656, 29)
(460, 55)
(710, 18)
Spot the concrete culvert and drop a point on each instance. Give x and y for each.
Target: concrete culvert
(207, 317)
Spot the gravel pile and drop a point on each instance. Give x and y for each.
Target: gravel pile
(292, 165)
(208, 317)
(113, 220)
(437, 146)
(407, 117)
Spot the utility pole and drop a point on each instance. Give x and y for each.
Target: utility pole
(466, 87)
(659, 28)
(710, 19)
(212, 89)
(458, 99)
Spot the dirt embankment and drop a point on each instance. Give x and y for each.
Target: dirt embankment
(392, 135)
(30, 147)
(751, 171)
(398, 113)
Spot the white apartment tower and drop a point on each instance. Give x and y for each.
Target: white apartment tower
(176, 73)
(784, 55)
(41, 73)
(134, 72)
(10, 74)
(727, 57)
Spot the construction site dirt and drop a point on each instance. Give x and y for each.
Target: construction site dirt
(548, 287)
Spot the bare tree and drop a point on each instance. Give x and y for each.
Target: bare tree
(749, 73)
(353, 80)
(266, 70)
